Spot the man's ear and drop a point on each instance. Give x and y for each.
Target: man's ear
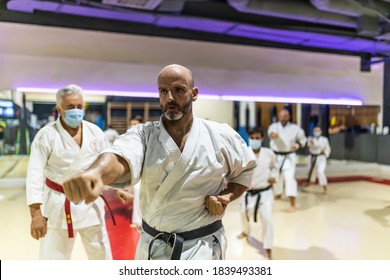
(195, 92)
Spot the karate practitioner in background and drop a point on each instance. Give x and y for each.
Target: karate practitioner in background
(112, 134)
(190, 170)
(133, 121)
(260, 198)
(286, 138)
(319, 149)
(59, 151)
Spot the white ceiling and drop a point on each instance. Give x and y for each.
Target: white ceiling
(356, 27)
(33, 55)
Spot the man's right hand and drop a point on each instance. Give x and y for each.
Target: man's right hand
(38, 227)
(124, 196)
(274, 135)
(86, 186)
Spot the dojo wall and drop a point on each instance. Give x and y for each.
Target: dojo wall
(32, 55)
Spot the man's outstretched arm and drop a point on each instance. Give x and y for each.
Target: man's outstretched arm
(88, 185)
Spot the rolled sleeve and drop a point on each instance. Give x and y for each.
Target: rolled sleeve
(241, 160)
(131, 147)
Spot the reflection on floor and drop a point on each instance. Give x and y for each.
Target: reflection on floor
(351, 222)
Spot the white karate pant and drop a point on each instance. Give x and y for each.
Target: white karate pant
(56, 245)
(319, 170)
(209, 247)
(264, 215)
(136, 215)
(287, 176)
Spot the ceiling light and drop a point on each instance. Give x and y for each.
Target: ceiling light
(256, 98)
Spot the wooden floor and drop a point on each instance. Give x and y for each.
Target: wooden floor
(351, 222)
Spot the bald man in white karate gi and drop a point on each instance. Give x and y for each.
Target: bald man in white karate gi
(190, 170)
(286, 138)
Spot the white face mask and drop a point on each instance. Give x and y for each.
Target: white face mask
(255, 144)
(316, 134)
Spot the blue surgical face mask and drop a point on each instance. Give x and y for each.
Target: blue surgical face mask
(74, 117)
(255, 144)
(316, 134)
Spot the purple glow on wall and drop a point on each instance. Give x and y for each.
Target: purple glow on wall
(300, 100)
(256, 98)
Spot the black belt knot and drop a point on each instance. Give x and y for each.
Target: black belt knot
(167, 237)
(284, 154)
(176, 240)
(252, 193)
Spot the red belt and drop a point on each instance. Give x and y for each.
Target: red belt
(54, 186)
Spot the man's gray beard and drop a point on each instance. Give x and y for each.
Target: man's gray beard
(173, 117)
(179, 115)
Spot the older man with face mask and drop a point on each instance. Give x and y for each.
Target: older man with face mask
(59, 151)
(190, 170)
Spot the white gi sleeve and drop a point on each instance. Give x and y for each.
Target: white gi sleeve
(327, 147)
(36, 172)
(131, 147)
(273, 166)
(240, 159)
(272, 128)
(301, 138)
(310, 142)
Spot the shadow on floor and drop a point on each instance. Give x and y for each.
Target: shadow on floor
(278, 253)
(379, 215)
(313, 196)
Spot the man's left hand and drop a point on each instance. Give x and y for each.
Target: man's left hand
(272, 180)
(217, 204)
(294, 147)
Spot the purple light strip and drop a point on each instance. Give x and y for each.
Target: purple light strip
(92, 92)
(271, 99)
(303, 100)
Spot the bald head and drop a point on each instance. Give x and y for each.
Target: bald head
(178, 71)
(284, 116)
(177, 92)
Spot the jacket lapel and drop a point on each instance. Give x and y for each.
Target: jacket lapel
(182, 162)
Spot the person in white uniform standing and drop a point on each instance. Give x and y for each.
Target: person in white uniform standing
(286, 138)
(60, 150)
(112, 134)
(319, 149)
(259, 199)
(190, 170)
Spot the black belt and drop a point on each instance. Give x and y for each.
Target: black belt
(252, 193)
(313, 163)
(284, 159)
(283, 153)
(175, 240)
